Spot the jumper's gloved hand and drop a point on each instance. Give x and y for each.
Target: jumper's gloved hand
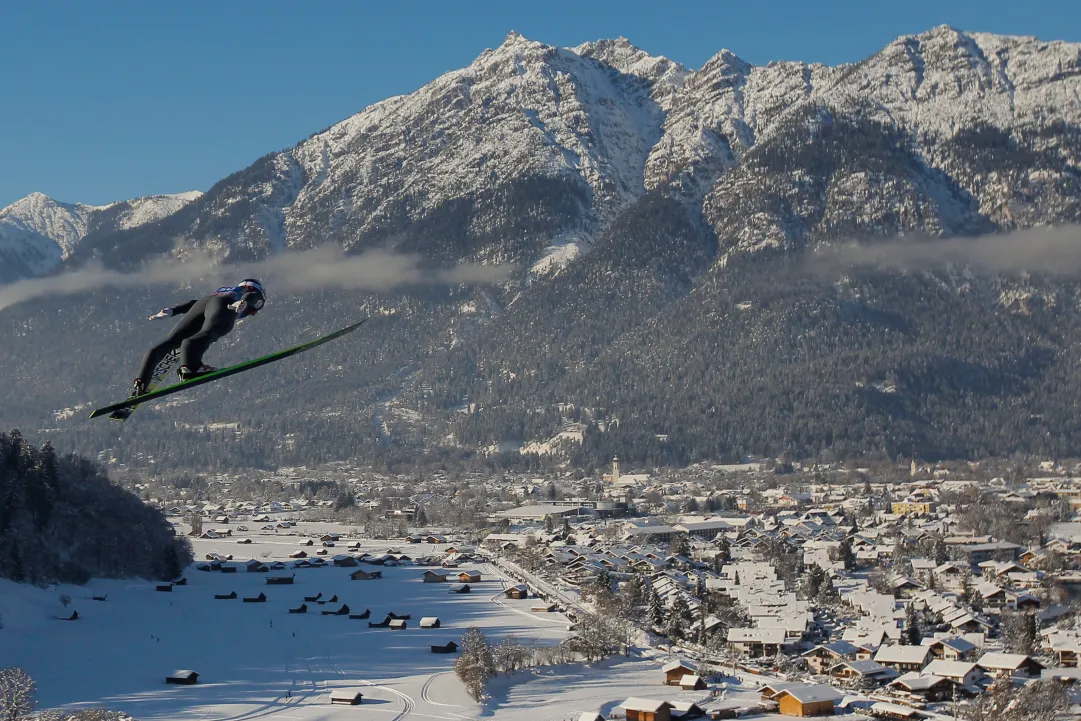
(163, 313)
(240, 306)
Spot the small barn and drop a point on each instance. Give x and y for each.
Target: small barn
(183, 678)
(302, 608)
(313, 599)
(298, 554)
(692, 682)
(361, 616)
(460, 588)
(647, 709)
(518, 592)
(343, 611)
(448, 647)
(261, 598)
(361, 575)
(347, 696)
(73, 617)
(279, 580)
(164, 587)
(343, 561)
(429, 622)
(807, 700)
(675, 670)
(397, 625)
(469, 577)
(225, 596)
(435, 577)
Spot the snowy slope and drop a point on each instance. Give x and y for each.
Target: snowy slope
(37, 232)
(257, 660)
(524, 109)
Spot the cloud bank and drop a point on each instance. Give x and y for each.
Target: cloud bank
(1054, 251)
(325, 268)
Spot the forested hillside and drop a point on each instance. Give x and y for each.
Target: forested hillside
(62, 520)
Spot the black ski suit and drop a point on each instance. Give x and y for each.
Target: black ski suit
(205, 321)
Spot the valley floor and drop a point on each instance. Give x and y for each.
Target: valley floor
(257, 661)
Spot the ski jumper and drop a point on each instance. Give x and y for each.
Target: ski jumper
(204, 321)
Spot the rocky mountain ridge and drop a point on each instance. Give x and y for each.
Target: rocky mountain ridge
(37, 233)
(658, 216)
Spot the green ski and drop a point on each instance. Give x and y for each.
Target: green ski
(161, 372)
(224, 372)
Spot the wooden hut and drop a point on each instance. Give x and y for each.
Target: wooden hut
(313, 599)
(675, 670)
(302, 608)
(404, 616)
(73, 617)
(807, 700)
(261, 598)
(647, 709)
(460, 588)
(180, 581)
(448, 647)
(469, 577)
(518, 592)
(429, 622)
(346, 696)
(361, 575)
(397, 625)
(279, 580)
(343, 611)
(183, 678)
(164, 587)
(99, 598)
(225, 596)
(382, 624)
(361, 616)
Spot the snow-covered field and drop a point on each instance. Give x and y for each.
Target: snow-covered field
(257, 661)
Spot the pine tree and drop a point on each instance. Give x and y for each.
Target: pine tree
(420, 518)
(681, 545)
(700, 586)
(913, 634)
(656, 607)
(170, 564)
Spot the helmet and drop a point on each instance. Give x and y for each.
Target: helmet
(252, 284)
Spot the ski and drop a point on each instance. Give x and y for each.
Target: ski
(224, 372)
(161, 372)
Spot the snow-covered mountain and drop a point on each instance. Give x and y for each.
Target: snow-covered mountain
(37, 232)
(653, 211)
(532, 148)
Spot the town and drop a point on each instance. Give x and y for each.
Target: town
(828, 589)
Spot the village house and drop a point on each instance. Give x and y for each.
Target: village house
(757, 642)
(925, 685)
(1010, 664)
(827, 655)
(808, 700)
(903, 658)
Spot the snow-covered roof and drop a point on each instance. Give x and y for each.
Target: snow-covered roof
(643, 704)
(678, 663)
(902, 654)
(812, 693)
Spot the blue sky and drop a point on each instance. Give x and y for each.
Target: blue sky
(106, 101)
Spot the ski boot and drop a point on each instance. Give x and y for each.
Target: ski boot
(187, 374)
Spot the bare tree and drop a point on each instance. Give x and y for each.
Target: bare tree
(17, 692)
